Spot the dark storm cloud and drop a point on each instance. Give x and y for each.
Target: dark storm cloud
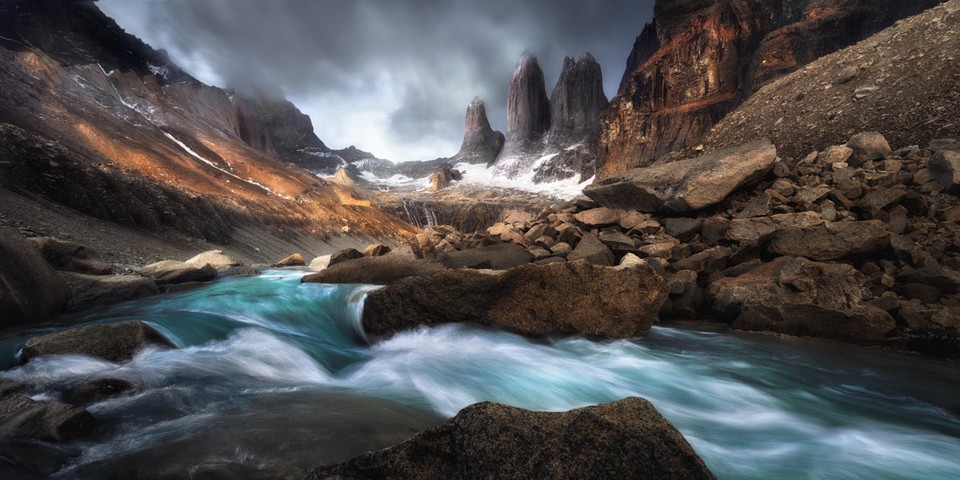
(394, 75)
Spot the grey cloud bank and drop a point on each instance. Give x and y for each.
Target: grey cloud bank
(391, 77)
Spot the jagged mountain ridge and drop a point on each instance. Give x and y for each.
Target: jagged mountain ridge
(94, 124)
(668, 102)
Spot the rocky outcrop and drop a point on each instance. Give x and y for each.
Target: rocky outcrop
(68, 256)
(627, 439)
(832, 240)
(708, 57)
(577, 102)
(528, 109)
(481, 144)
(798, 297)
(686, 185)
(444, 178)
(533, 300)
(30, 289)
(292, 260)
(116, 342)
(278, 127)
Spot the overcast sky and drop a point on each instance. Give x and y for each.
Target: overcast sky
(392, 77)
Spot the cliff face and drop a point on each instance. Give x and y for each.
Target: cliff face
(481, 144)
(528, 109)
(707, 57)
(278, 127)
(95, 121)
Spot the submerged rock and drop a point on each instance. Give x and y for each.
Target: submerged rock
(686, 185)
(534, 300)
(624, 440)
(116, 342)
(21, 417)
(31, 289)
(795, 296)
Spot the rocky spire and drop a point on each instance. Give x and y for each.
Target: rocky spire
(577, 102)
(481, 144)
(528, 109)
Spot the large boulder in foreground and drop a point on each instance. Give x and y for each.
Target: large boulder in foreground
(116, 342)
(23, 418)
(30, 289)
(534, 300)
(374, 270)
(686, 185)
(796, 296)
(170, 272)
(628, 439)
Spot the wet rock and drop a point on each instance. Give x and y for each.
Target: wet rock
(795, 296)
(868, 146)
(686, 185)
(945, 168)
(70, 256)
(832, 240)
(116, 342)
(21, 417)
(32, 291)
(534, 300)
(497, 257)
(374, 270)
(97, 390)
(216, 259)
(626, 439)
(593, 250)
(344, 255)
(99, 290)
(171, 272)
(295, 260)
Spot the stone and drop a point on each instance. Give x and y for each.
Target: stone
(216, 259)
(598, 217)
(593, 250)
(625, 439)
(295, 260)
(23, 418)
(171, 272)
(100, 290)
(682, 228)
(835, 154)
(31, 291)
(632, 219)
(944, 166)
(497, 257)
(561, 248)
(713, 230)
(832, 240)
(516, 216)
(795, 296)
(686, 185)
(115, 342)
(927, 294)
(344, 255)
(376, 250)
(761, 228)
(882, 198)
(320, 263)
(708, 261)
(868, 146)
(534, 300)
(374, 270)
(97, 390)
(69, 256)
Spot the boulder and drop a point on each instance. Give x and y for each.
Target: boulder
(593, 250)
(376, 250)
(497, 257)
(216, 259)
(623, 440)
(115, 342)
(598, 217)
(99, 290)
(868, 146)
(23, 418)
(795, 296)
(682, 228)
(945, 168)
(69, 256)
(172, 271)
(344, 255)
(295, 260)
(320, 263)
(374, 270)
(30, 289)
(758, 229)
(708, 261)
(686, 185)
(832, 240)
(535, 300)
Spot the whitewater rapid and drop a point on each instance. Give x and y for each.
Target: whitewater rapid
(273, 375)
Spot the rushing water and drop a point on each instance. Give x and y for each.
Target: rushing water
(274, 377)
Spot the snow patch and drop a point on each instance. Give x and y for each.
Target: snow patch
(482, 175)
(214, 165)
(159, 70)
